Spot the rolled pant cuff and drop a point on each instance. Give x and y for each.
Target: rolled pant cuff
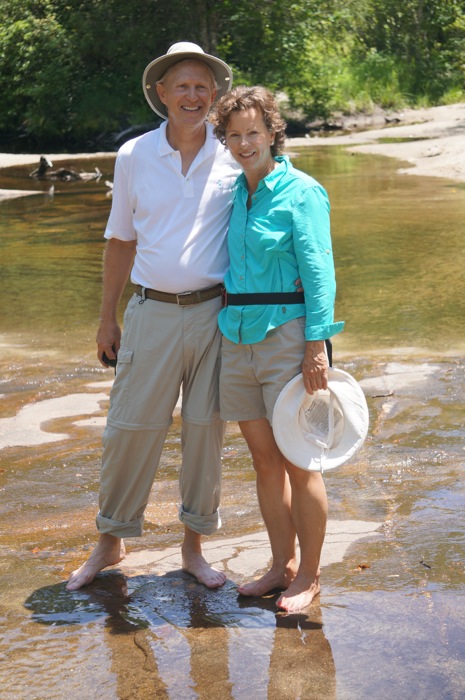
(202, 524)
(106, 526)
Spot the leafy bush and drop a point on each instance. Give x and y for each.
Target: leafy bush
(70, 70)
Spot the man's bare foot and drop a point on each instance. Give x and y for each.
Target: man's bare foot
(194, 563)
(273, 579)
(108, 552)
(300, 594)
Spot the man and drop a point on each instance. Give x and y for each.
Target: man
(171, 202)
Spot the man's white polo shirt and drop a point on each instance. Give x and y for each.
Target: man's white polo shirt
(179, 222)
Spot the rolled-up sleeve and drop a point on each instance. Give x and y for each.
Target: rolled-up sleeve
(313, 249)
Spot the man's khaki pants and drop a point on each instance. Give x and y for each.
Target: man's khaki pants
(164, 347)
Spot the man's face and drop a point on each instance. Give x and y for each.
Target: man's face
(188, 92)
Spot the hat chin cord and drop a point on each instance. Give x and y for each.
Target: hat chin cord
(324, 446)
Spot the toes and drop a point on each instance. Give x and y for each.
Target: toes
(248, 589)
(204, 573)
(215, 583)
(213, 579)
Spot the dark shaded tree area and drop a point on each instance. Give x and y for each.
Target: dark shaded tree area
(70, 70)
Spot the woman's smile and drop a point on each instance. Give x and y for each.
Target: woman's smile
(249, 141)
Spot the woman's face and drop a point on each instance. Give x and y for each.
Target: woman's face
(249, 141)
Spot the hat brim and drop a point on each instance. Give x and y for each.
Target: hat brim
(157, 68)
(295, 445)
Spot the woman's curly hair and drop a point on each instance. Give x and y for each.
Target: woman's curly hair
(242, 98)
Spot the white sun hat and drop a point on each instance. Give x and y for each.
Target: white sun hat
(180, 52)
(321, 431)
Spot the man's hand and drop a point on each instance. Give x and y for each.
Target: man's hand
(108, 341)
(117, 263)
(315, 366)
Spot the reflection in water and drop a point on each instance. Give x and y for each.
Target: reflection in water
(197, 643)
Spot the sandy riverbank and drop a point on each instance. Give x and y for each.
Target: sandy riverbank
(8, 160)
(431, 141)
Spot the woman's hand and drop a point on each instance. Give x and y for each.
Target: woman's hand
(315, 366)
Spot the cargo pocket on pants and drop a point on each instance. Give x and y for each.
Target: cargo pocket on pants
(123, 372)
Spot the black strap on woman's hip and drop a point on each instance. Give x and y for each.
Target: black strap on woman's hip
(273, 298)
(264, 298)
(329, 351)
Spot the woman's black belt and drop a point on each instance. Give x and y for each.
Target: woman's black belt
(273, 298)
(264, 298)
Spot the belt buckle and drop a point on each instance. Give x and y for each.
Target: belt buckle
(182, 294)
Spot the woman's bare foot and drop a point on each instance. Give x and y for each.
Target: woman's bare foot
(108, 552)
(195, 564)
(300, 593)
(275, 578)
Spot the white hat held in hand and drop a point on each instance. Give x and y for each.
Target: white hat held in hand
(324, 430)
(180, 52)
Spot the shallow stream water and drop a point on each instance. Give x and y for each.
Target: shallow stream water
(390, 621)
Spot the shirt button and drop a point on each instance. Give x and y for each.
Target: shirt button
(284, 309)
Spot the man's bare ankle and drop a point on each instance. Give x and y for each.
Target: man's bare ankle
(108, 551)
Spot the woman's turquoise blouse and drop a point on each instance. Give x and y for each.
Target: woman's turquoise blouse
(285, 234)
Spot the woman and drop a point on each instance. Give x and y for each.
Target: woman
(279, 231)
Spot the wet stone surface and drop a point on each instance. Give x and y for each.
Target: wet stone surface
(389, 621)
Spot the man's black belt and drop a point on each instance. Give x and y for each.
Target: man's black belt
(183, 298)
(264, 298)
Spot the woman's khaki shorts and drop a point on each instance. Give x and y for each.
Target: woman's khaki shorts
(252, 376)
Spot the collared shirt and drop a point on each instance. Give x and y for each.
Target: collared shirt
(284, 235)
(179, 222)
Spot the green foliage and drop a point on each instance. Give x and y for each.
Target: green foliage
(425, 38)
(314, 88)
(266, 45)
(70, 70)
(34, 89)
(376, 79)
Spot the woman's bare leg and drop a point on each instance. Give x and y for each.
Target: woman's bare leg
(274, 497)
(309, 514)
